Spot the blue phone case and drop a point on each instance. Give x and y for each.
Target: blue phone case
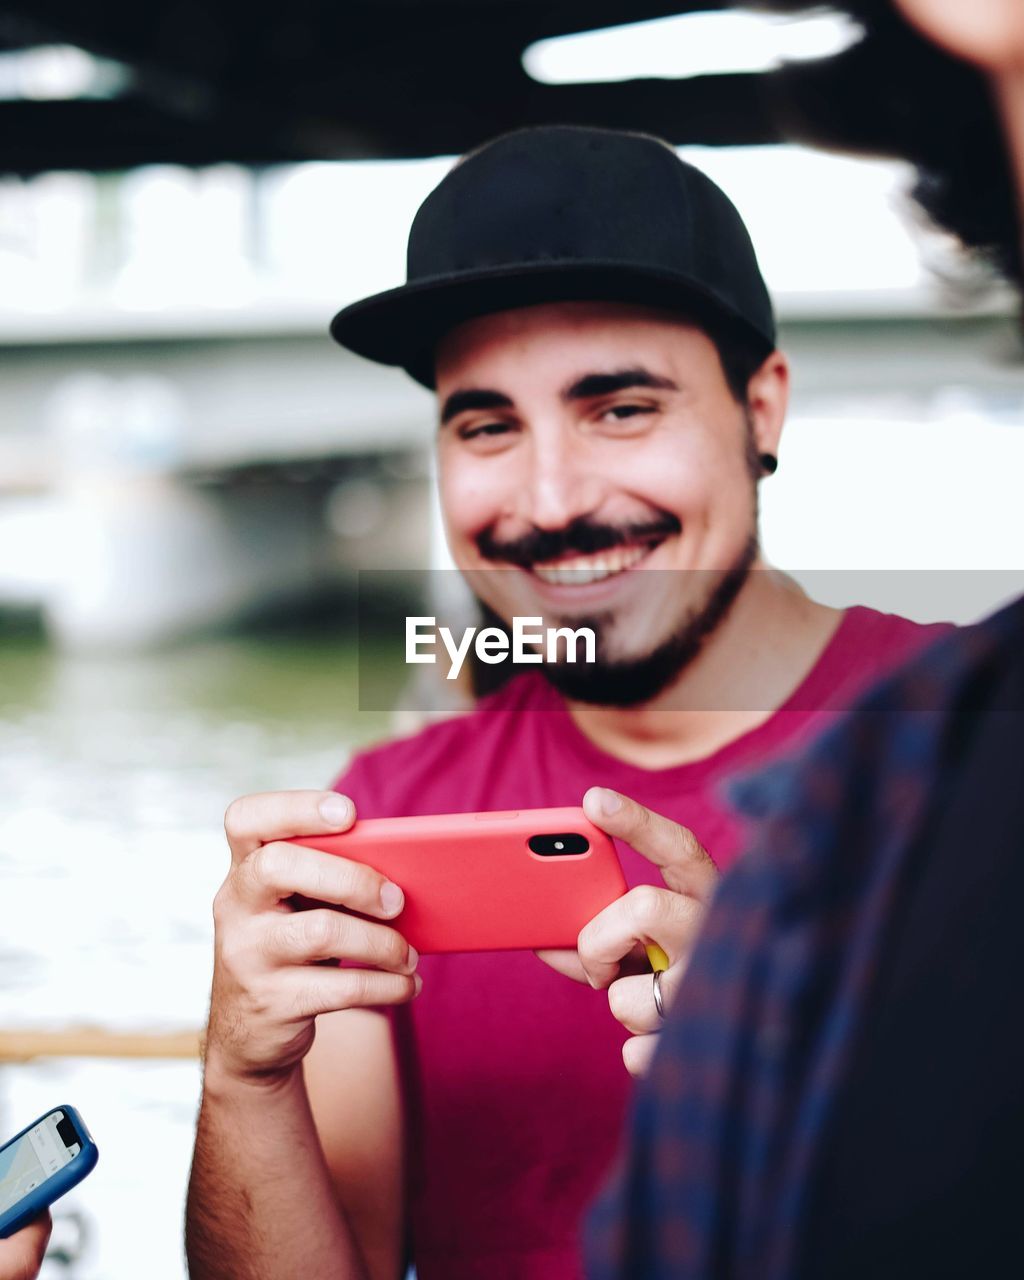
(30, 1206)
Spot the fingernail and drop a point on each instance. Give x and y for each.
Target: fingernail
(413, 960)
(392, 899)
(417, 985)
(336, 810)
(611, 801)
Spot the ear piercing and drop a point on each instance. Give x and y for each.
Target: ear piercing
(769, 463)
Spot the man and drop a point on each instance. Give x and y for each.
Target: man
(590, 313)
(839, 1092)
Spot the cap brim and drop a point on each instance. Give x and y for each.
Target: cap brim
(403, 326)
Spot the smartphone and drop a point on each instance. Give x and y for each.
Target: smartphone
(49, 1157)
(518, 880)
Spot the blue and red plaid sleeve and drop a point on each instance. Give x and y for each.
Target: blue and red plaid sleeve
(719, 1163)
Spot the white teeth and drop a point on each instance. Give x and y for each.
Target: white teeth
(584, 569)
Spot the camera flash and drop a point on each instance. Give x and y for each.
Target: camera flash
(559, 844)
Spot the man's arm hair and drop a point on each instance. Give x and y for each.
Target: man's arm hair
(260, 1202)
(265, 1204)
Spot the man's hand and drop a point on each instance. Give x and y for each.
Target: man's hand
(276, 969)
(21, 1255)
(610, 949)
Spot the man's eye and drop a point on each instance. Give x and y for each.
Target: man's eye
(484, 429)
(622, 411)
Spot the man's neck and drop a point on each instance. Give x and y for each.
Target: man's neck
(759, 654)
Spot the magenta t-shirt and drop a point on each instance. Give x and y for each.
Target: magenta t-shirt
(514, 1087)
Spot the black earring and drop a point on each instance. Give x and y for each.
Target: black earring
(769, 463)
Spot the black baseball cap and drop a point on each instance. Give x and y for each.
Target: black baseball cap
(561, 213)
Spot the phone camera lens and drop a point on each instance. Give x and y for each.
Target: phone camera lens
(560, 844)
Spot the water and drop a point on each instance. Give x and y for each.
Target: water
(114, 776)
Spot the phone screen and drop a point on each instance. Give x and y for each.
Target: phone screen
(37, 1155)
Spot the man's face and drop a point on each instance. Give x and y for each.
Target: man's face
(584, 447)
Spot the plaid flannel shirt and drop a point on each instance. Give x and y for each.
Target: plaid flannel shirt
(719, 1167)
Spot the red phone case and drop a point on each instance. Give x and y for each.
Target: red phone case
(472, 882)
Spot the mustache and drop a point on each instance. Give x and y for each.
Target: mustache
(582, 536)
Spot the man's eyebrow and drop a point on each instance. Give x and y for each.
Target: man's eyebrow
(603, 384)
(459, 401)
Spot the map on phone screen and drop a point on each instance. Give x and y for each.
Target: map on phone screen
(36, 1156)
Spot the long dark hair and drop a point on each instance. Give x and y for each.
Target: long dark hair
(895, 93)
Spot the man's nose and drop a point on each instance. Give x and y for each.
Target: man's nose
(559, 485)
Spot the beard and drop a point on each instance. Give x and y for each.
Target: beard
(630, 682)
(627, 682)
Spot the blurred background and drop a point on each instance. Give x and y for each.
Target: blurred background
(192, 474)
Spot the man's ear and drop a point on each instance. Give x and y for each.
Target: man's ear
(767, 401)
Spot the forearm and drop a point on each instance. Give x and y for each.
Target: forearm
(261, 1205)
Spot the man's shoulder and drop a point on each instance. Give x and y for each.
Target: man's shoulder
(883, 641)
(885, 628)
(866, 646)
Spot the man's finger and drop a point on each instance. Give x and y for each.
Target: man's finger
(638, 1053)
(632, 1003)
(254, 820)
(22, 1254)
(567, 963)
(310, 936)
(280, 870)
(644, 914)
(312, 992)
(682, 859)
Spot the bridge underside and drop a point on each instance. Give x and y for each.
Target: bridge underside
(270, 83)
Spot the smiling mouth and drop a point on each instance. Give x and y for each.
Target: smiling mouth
(581, 570)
